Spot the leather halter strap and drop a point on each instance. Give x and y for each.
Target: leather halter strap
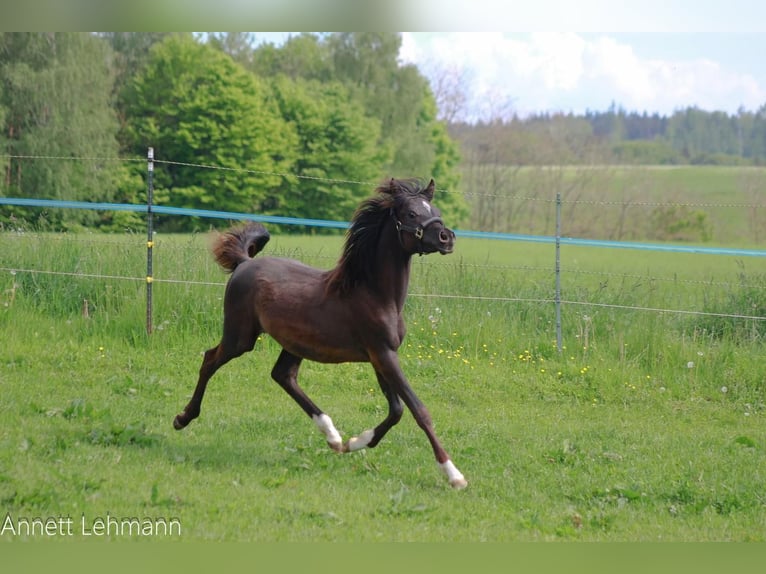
(417, 231)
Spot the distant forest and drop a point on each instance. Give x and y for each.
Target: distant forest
(690, 136)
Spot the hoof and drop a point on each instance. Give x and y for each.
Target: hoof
(178, 424)
(455, 477)
(459, 484)
(338, 446)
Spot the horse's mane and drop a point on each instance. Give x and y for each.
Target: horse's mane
(357, 261)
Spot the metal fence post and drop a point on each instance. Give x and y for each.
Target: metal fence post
(149, 236)
(558, 272)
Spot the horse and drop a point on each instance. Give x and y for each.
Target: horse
(350, 313)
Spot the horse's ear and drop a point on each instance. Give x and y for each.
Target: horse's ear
(393, 187)
(429, 190)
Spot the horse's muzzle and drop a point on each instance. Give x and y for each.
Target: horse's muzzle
(446, 241)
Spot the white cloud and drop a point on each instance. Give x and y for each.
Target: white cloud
(557, 58)
(587, 15)
(573, 72)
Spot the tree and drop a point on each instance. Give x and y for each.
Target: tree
(445, 161)
(400, 96)
(337, 150)
(130, 54)
(56, 97)
(238, 45)
(412, 140)
(303, 56)
(367, 63)
(755, 138)
(448, 84)
(195, 105)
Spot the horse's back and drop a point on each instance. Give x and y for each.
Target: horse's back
(290, 301)
(278, 269)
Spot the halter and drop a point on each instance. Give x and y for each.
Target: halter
(417, 231)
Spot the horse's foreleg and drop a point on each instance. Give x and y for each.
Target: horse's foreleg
(371, 437)
(285, 372)
(387, 364)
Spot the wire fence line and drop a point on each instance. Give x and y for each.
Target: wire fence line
(479, 266)
(487, 298)
(149, 208)
(550, 200)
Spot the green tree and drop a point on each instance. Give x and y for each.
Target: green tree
(697, 134)
(130, 54)
(412, 141)
(755, 137)
(238, 45)
(194, 105)
(367, 62)
(303, 56)
(445, 162)
(400, 96)
(643, 152)
(56, 96)
(337, 148)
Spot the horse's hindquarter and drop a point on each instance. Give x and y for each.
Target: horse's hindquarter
(292, 304)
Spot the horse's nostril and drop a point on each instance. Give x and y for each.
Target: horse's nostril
(445, 236)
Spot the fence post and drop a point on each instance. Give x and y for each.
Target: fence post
(149, 237)
(558, 272)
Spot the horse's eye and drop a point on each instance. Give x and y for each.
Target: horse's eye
(412, 215)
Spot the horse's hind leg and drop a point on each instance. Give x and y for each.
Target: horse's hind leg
(229, 348)
(211, 362)
(285, 372)
(371, 437)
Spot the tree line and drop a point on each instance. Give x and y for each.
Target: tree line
(689, 136)
(302, 129)
(298, 129)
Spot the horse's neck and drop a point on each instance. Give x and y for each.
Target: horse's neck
(393, 275)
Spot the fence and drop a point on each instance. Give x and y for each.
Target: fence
(557, 240)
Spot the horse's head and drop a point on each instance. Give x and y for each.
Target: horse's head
(418, 223)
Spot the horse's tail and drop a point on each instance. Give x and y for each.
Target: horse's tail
(239, 244)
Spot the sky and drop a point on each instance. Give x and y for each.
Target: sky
(573, 56)
(543, 71)
(532, 72)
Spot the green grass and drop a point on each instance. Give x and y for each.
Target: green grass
(647, 427)
(623, 203)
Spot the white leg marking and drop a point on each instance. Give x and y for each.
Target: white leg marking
(333, 436)
(455, 477)
(361, 441)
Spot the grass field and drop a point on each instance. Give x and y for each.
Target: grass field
(649, 426)
(721, 205)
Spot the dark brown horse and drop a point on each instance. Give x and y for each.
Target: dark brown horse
(350, 313)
